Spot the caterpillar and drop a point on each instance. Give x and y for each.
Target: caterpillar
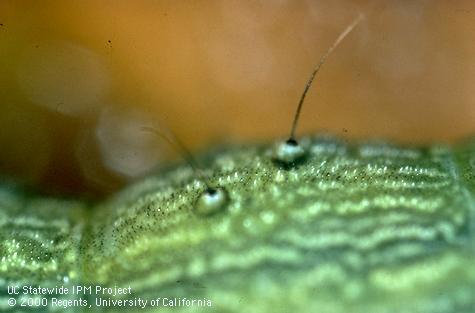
(318, 225)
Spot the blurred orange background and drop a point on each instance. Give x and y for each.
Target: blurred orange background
(80, 78)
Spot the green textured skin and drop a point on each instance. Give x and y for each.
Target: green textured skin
(365, 227)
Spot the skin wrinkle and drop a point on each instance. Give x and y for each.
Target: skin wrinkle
(354, 227)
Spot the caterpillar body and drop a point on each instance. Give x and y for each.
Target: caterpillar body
(352, 227)
(315, 225)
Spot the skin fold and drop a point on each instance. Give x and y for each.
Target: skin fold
(351, 227)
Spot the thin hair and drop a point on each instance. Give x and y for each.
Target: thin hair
(347, 30)
(182, 150)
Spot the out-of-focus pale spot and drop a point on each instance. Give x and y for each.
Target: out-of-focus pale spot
(125, 147)
(88, 156)
(63, 77)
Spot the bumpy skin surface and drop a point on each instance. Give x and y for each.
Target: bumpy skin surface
(350, 228)
(39, 240)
